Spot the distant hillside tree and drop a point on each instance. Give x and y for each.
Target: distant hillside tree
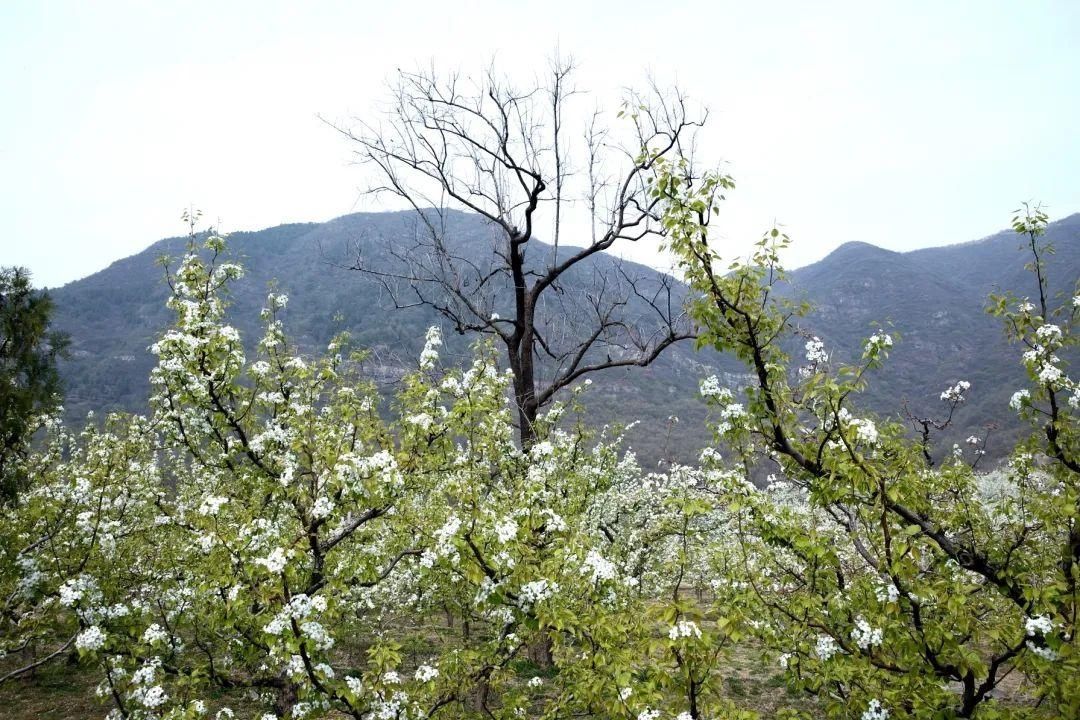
(29, 383)
(515, 157)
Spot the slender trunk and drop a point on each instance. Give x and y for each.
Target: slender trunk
(286, 698)
(541, 652)
(524, 369)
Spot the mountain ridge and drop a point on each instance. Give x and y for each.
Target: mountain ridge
(933, 298)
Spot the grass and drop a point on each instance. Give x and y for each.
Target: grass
(60, 691)
(63, 691)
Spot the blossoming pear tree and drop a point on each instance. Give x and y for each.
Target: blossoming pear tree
(884, 585)
(267, 545)
(272, 543)
(76, 542)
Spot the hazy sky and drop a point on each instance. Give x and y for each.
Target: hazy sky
(924, 123)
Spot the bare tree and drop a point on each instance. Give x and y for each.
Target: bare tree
(562, 311)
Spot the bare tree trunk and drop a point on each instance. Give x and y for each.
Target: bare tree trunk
(285, 698)
(504, 154)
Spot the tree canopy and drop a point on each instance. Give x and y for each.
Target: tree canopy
(29, 383)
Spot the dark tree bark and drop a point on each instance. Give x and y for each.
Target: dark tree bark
(560, 311)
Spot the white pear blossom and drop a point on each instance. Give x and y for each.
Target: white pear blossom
(815, 351)
(154, 634)
(598, 567)
(875, 711)
(274, 562)
(211, 504)
(956, 392)
(1038, 625)
(1019, 398)
(92, 638)
(866, 636)
(684, 629)
(426, 673)
(877, 342)
(826, 647)
(506, 529)
(430, 354)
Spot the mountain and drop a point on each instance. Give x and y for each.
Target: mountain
(934, 299)
(114, 315)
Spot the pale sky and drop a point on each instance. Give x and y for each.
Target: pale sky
(917, 124)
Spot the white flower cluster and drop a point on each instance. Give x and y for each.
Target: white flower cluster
(955, 394)
(300, 607)
(430, 354)
(146, 693)
(886, 592)
(92, 638)
(424, 421)
(506, 530)
(711, 389)
(815, 351)
(154, 634)
(72, 591)
(382, 464)
(322, 507)
(211, 504)
(553, 522)
(274, 562)
(542, 450)
(537, 591)
(865, 429)
(426, 673)
(866, 636)
(730, 412)
(1019, 398)
(684, 629)
(1038, 625)
(1049, 334)
(1042, 651)
(598, 567)
(1042, 361)
(444, 543)
(875, 711)
(825, 647)
(1049, 373)
(877, 342)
